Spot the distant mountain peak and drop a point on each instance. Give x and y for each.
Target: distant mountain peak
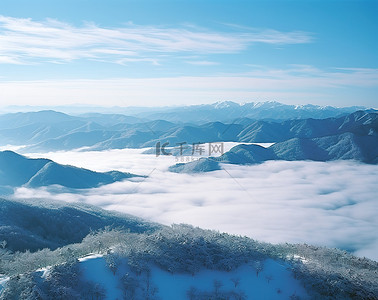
(265, 104)
(225, 104)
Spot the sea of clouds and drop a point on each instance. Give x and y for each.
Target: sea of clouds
(332, 204)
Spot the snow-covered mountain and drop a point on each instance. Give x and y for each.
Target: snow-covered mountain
(178, 262)
(39, 135)
(228, 111)
(33, 224)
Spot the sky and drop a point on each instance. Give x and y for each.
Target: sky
(157, 53)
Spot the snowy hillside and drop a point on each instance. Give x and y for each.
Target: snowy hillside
(275, 281)
(183, 262)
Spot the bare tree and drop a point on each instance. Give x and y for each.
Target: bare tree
(235, 281)
(192, 293)
(258, 266)
(217, 285)
(3, 244)
(268, 278)
(99, 292)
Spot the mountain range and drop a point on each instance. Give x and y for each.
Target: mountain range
(51, 131)
(352, 136)
(226, 111)
(345, 146)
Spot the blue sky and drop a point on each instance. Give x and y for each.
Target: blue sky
(151, 53)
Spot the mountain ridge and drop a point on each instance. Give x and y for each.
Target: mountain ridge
(345, 146)
(147, 134)
(17, 170)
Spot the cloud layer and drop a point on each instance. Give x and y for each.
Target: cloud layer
(27, 41)
(332, 204)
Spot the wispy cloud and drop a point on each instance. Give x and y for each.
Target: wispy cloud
(309, 76)
(125, 61)
(26, 40)
(202, 63)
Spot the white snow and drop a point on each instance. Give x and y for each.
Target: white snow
(229, 145)
(281, 285)
(91, 256)
(3, 282)
(94, 269)
(44, 272)
(225, 104)
(175, 286)
(301, 258)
